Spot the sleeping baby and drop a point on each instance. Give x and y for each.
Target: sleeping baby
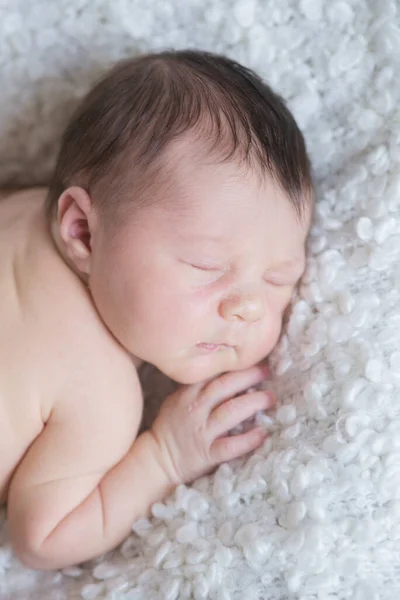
(173, 233)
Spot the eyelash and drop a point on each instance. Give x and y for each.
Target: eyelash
(202, 268)
(216, 270)
(210, 274)
(283, 282)
(277, 283)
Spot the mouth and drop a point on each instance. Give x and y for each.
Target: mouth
(207, 348)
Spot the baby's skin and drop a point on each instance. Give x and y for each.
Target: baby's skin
(195, 284)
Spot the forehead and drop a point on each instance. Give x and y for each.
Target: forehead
(227, 202)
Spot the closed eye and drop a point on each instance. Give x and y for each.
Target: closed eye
(284, 278)
(281, 281)
(204, 267)
(276, 283)
(203, 272)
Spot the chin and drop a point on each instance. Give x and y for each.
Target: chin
(199, 369)
(191, 374)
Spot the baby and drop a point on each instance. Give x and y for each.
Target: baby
(173, 232)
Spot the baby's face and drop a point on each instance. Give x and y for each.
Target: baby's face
(198, 282)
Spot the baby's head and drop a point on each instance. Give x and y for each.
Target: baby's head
(182, 195)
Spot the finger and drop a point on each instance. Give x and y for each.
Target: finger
(233, 383)
(230, 447)
(232, 412)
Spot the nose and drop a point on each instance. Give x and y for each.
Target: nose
(242, 307)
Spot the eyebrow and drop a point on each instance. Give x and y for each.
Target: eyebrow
(203, 237)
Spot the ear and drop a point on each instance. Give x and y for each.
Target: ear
(76, 223)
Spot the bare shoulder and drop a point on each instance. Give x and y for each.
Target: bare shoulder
(96, 398)
(78, 364)
(76, 378)
(98, 401)
(93, 369)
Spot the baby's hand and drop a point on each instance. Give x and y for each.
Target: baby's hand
(192, 425)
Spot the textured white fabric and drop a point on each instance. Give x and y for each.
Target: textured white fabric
(315, 515)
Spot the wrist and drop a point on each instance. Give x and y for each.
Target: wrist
(164, 458)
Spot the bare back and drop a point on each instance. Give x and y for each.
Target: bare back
(51, 342)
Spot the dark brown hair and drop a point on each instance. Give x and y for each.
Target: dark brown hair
(119, 132)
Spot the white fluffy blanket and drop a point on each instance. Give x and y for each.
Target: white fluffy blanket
(314, 515)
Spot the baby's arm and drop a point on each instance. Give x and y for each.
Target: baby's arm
(77, 492)
(65, 508)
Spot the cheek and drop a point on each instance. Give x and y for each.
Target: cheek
(275, 332)
(168, 306)
(103, 283)
(117, 289)
(273, 327)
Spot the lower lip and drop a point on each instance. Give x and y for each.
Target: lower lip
(209, 348)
